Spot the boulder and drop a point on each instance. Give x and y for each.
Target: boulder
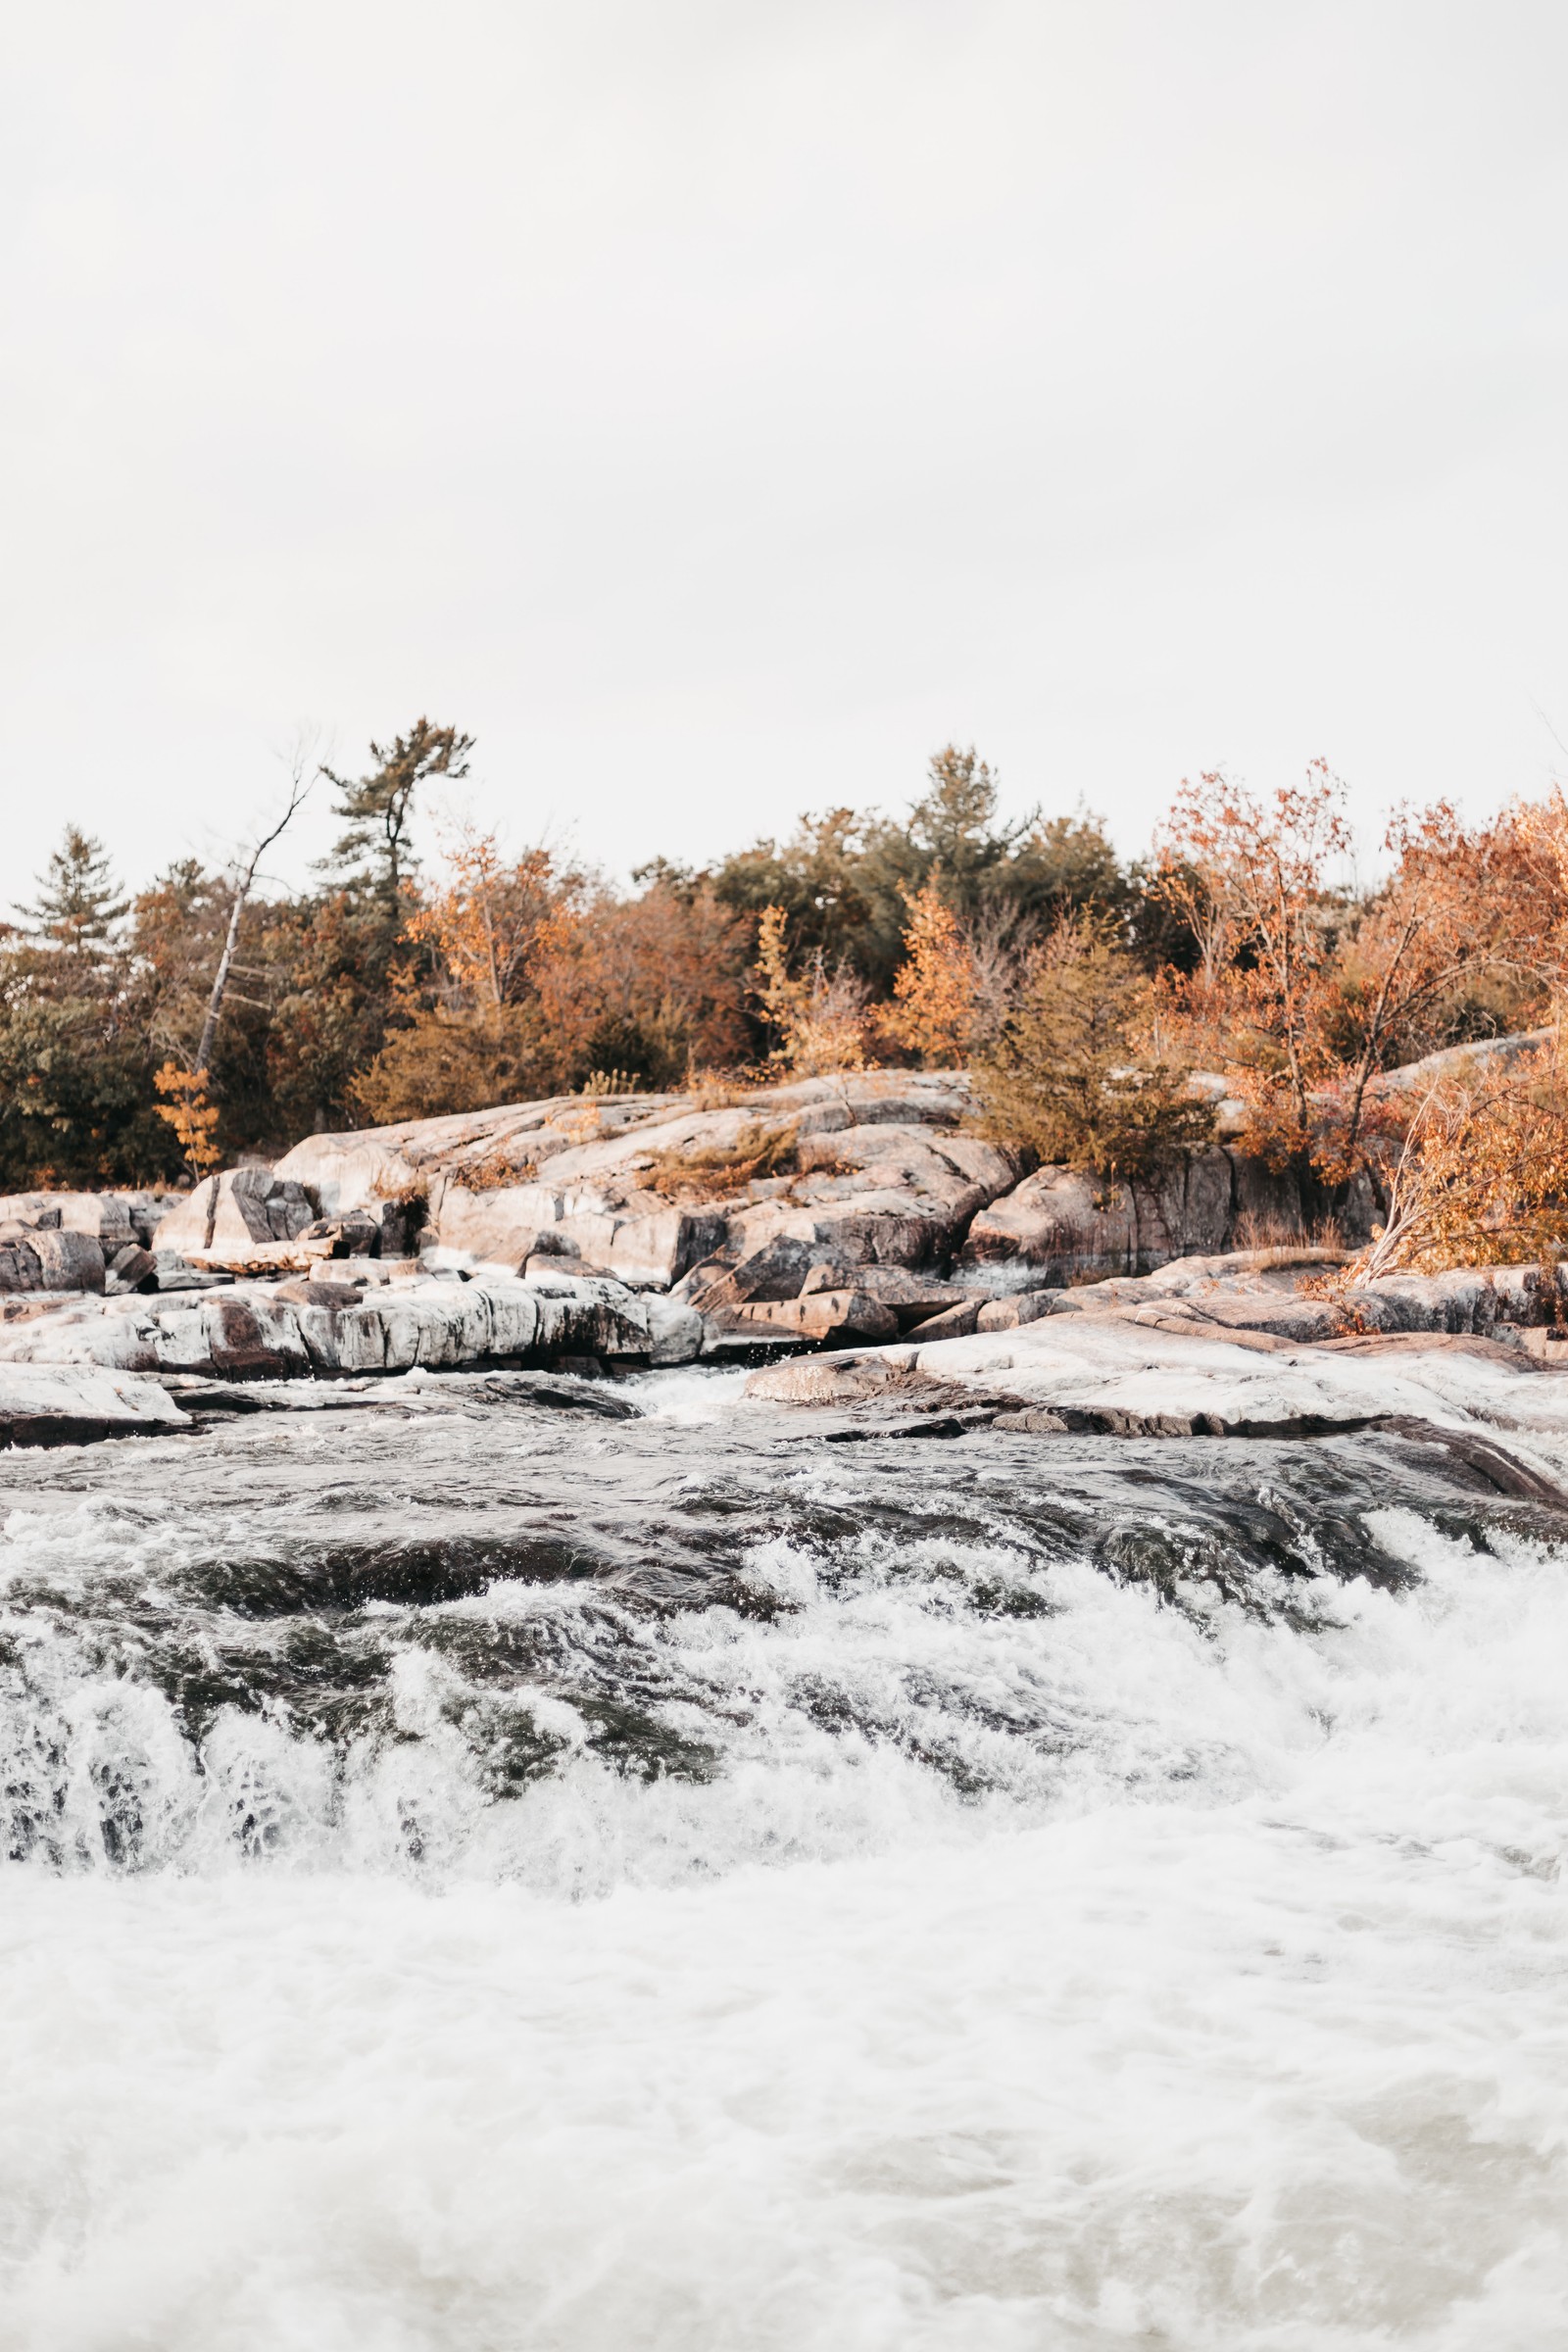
(112, 1219)
(1062, 1226)
(1010, 1313)
(1059, 1225)
(781, 1268)
(825, 1318)
(49, 1258)
(953, 1322)
(674, 1332)
(914, 1298)
(880, 1193)
(235, 1217)
(133, 1268)
(172, 1272)
(648, 1242)
(354, 1233)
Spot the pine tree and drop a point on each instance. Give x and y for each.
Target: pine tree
(77, 907)
(373, 852)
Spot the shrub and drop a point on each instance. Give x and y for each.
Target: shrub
(1063, 1082)
(722, 1169)
(1483, 1175)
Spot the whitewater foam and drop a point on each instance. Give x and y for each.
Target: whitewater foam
(1003, 1955)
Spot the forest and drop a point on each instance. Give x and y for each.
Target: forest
(148, 1035)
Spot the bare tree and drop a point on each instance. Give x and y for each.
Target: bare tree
(303, 773)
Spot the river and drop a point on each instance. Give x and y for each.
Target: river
(487, 1879)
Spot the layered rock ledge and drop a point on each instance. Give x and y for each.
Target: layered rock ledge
(847, 1214)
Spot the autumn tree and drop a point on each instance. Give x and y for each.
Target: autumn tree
(817, 1015)
(935, 990)
(469, 1026)
(1482, 1175)
(1304, 996)
(647, 986)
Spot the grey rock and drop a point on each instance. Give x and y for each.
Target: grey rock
(234, 1216)
(133, 1268)
(674, 1332)
(954, 1323)
(354, 1233)
(76, 1405)
(249, 1332)
(824, 1318)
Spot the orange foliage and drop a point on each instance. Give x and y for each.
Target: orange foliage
(935, 989)
(493, 920)
(1301, 998)
(1483, 1175)
(190, 1114)
(654, 983)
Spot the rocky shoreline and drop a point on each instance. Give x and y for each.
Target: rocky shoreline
(845, 1240)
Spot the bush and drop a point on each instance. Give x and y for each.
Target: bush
(449, 1061)
(1063, 1081)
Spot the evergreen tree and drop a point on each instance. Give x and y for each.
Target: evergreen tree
(76, 1074)
(372, 856)
(76, 909)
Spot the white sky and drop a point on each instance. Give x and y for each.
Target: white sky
(715, 407)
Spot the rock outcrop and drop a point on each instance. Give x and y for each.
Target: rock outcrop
(643, 1188)
(253, 1332)
(832, 1213)
(242, 1217)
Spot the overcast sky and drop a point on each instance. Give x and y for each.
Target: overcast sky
(715, 407)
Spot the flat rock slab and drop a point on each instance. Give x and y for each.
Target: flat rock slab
(408, 1391)
(1110, 1374)
(76, 1405)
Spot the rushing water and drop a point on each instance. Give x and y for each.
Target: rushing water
(513, 1879)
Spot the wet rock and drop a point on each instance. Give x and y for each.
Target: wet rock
(674, 1332)
(831, 1378)
(823, 1318)
(249, 1332)
(50, 1406)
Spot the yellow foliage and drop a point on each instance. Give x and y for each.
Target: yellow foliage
(190, 1114)
(819, 1019)
(722, 1169)
(935, 987)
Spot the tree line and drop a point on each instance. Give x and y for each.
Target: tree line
(144, 1037)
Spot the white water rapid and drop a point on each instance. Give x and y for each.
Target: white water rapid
(536, 1884)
